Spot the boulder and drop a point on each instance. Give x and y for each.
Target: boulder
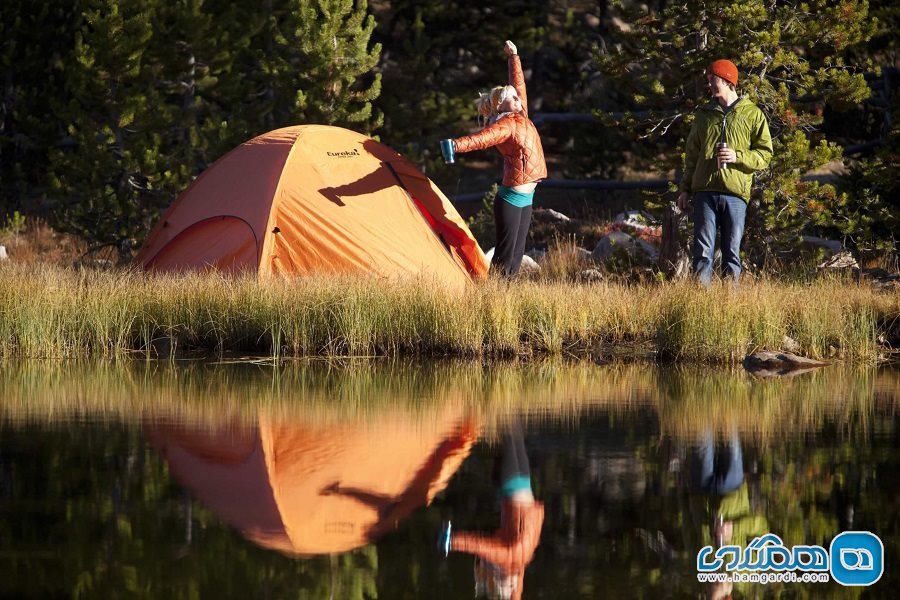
(574, 254)
(3, 254)
(528, 264)
(637, 219)
(590, 275)
(608, 244)
(619, 240)
(583, 254)
(789, 344)
(651, 251)
(537, 254)
(551, 215)
(841, 260)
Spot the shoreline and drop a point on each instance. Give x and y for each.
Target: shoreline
(50, 312)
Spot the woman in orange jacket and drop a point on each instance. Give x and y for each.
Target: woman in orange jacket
(509, 129)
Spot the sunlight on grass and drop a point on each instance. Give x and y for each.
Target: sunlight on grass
(49, 312)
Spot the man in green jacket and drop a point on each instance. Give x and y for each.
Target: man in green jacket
(728, 142)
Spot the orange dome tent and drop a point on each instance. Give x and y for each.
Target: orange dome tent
(306, 489)
(314, 199)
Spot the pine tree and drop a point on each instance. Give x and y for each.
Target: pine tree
(155, 91)
(198, 42)
(312, 63)
(791, 62)
(36, 35)
(869, 218)
(109, 185)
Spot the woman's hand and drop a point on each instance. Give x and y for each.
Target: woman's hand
(510, 48)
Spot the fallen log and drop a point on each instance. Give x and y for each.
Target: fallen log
(766, 363)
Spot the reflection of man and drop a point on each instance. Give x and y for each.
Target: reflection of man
(729, 141)
(503, 556)
(717, 469)
(719, 509)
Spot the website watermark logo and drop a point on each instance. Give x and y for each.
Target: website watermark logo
(855, 558)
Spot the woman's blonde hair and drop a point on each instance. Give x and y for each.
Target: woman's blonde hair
(489, 104)
(492, 583)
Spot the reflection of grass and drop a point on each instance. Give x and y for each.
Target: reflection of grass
(686, 400)
(341, 391)
(50, 312)
(690, 401)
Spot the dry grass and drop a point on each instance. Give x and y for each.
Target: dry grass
(49, 312)
(35, 243)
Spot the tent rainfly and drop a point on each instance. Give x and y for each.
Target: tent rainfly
(314, 199)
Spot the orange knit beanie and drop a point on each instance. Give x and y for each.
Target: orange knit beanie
(725, 69)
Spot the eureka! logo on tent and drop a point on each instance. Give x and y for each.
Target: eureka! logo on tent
(344, 153)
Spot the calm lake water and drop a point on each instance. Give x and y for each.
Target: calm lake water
(241, 479)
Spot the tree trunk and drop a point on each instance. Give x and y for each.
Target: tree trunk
(673, 253)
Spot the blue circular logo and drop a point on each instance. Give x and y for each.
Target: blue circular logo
(857, 558)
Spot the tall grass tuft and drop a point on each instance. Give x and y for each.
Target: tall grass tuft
(54, 312)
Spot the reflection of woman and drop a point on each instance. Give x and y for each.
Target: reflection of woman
(509, 129)
(501, 557)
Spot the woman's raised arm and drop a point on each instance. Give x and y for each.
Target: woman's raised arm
(516, 77)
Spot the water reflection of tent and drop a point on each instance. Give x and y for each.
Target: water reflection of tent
(314, 198)
(304, 489)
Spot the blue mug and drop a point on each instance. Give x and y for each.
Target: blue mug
(447, 151)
